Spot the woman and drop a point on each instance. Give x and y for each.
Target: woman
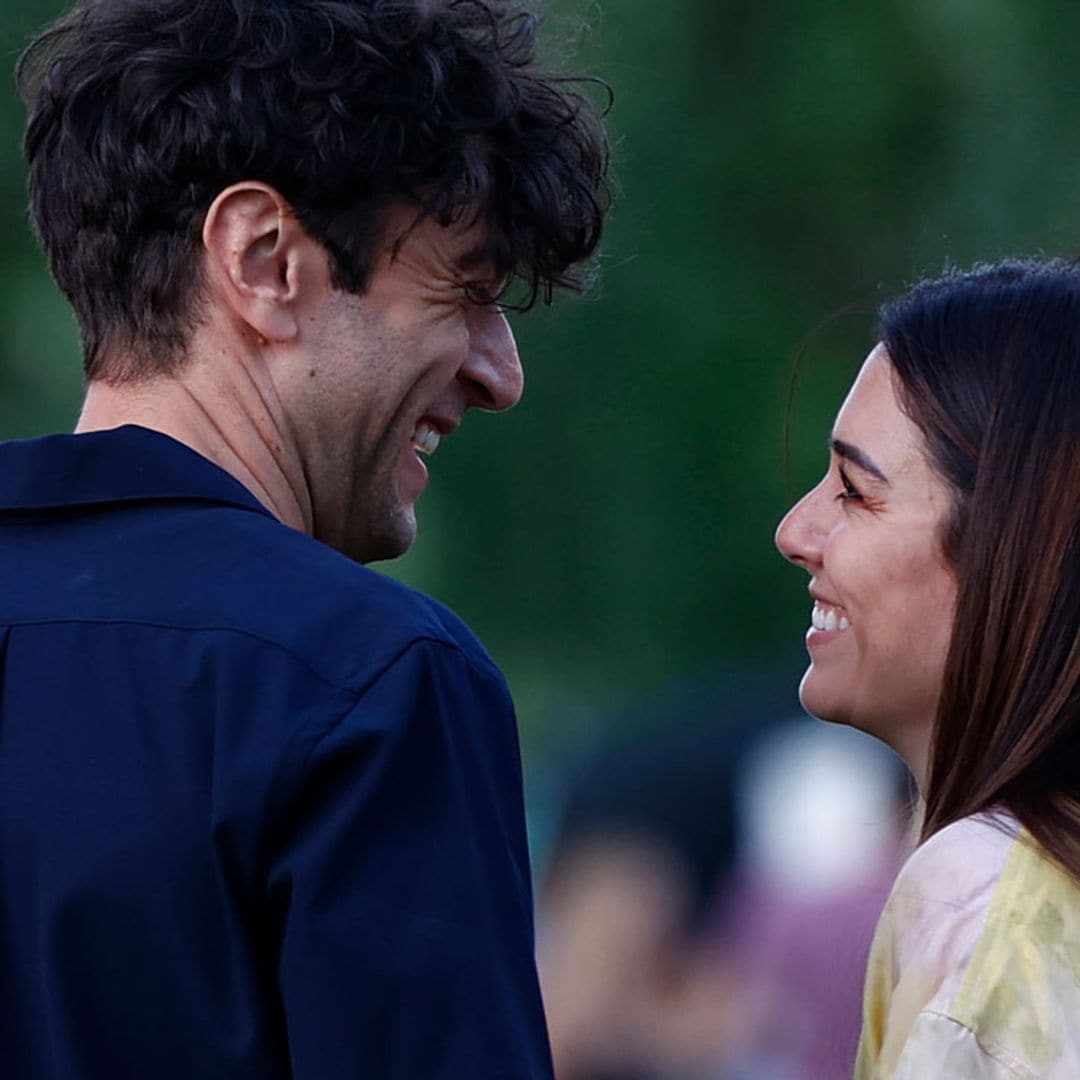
(943, 546)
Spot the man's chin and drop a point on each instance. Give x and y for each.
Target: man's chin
(389, 542)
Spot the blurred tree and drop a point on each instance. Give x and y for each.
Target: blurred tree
(777, 162)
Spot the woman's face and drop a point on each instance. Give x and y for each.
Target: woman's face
(869, 535)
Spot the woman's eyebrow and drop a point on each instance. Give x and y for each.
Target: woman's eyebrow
(857, 457)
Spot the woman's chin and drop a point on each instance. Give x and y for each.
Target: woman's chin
(823, 702)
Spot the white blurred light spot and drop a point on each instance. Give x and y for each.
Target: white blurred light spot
(820, 804)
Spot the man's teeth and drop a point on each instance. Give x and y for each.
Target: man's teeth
(425, 439)
(823, 618)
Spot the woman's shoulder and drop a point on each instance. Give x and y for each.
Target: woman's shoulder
(959, 862)
(980, 927)
(1020, 995)
(937, 910)
(928, 934)
(949, 881)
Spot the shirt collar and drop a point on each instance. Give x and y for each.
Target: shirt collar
(125, 464)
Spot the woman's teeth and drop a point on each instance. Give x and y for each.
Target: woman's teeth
(822, 618)
(425, 439)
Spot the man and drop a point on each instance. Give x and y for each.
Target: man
(260, 808)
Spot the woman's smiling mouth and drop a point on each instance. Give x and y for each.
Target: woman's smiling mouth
(825, 617)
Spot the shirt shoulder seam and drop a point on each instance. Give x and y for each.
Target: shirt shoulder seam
(355, 689)
(328, 727)
(1016, 1066)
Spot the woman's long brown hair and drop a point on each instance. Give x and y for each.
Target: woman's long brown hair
(987, 364)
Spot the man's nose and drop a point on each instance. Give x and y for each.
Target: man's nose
(492, 373)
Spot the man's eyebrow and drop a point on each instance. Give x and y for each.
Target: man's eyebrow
(857, 457)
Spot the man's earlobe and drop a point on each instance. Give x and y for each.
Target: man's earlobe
(253, 245)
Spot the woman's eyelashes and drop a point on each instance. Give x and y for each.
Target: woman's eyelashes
(850, 493)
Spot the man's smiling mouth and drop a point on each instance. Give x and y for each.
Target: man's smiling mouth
(425, 439)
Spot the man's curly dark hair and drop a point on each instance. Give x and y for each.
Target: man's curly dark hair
(142, 111)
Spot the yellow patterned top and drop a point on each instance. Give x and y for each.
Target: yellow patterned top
(975, 967)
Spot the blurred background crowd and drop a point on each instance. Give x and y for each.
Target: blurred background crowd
(709, 864)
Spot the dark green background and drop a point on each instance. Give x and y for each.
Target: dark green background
(777, 163)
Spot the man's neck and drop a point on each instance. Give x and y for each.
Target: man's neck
(228, 413)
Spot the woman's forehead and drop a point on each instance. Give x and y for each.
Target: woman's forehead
(873, 422)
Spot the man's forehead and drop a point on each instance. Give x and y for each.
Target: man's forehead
(464, 246)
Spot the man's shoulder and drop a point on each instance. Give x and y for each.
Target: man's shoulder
(344, 619)
(226, 571)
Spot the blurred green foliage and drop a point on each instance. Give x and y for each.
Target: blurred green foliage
(777, 163)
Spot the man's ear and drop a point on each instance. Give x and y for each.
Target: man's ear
(257, 258)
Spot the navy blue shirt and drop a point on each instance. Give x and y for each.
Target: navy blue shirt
(260, 807)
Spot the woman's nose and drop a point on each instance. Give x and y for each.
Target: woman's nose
(799, 534)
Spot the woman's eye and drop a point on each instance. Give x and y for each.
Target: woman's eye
(851, 492)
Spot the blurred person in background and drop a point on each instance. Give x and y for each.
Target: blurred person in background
(633, 987)
(943, 546)
(826, 814)
(261, 807)
(707, 909)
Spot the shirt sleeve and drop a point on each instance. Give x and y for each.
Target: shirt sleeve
(402, 886)
(902, 1039)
